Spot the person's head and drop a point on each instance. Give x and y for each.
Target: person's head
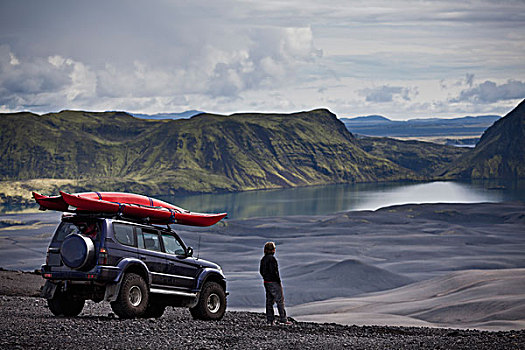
(269, 247)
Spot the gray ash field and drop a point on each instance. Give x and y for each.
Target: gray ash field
(28, 324)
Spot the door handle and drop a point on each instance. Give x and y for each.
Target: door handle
(142, 257)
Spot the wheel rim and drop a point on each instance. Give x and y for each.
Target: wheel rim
(135, 296)
(214, 303)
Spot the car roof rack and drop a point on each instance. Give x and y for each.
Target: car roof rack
(101, 215)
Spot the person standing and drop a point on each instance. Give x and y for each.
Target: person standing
(269, 270)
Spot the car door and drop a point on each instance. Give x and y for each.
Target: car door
(182, 269)
(150, 252)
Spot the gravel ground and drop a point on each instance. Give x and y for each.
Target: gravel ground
(26, 323)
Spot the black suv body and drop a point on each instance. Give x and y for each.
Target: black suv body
(139, 268)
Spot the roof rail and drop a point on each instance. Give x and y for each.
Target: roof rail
(99, 215)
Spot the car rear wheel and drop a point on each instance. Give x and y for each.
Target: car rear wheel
(211, 304)
(132, 300)
(65, 305)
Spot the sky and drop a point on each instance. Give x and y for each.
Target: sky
(399, 59)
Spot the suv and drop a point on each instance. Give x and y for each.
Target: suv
(139, 268)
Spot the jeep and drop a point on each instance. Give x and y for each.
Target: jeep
(139, 268)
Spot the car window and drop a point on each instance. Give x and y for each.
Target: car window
(124, 234)
(90, 229)
(151, 241)
(171, 245)
(140, 238)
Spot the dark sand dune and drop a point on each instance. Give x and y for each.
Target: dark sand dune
(348, 277)
(489, 299)
(323, 279)
(404, 243)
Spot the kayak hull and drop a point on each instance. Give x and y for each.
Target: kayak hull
(127, 205)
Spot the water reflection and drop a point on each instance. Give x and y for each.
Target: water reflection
(320, 200)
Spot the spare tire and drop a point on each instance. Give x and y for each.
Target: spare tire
(77, 251)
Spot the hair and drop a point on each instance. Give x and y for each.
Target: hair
(269, 247)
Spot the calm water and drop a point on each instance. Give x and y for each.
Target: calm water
(320, 200)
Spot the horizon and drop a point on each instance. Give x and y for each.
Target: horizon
(256, 112)
(399, 59)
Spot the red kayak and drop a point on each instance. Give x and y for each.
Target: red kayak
(127, 205)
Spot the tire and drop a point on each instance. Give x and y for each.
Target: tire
(154, 310)
(211, 304)
(133, 297)
(63, 305)
(77, 252)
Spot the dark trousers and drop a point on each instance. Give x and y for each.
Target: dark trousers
(274, 294)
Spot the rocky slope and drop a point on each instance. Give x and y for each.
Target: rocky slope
(28, 324)
(499, 153)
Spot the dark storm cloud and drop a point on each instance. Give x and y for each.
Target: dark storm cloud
(132, 50)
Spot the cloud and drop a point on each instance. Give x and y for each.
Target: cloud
(490, 92)
(469, 79)
(266, 58)
(21, 81)
(385, 93)
(270, 58)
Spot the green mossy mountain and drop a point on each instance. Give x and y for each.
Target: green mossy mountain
(207, 153)
(500, 153)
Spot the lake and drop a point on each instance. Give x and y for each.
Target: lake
(319, 200)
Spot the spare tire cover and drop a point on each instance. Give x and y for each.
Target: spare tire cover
(77, 251)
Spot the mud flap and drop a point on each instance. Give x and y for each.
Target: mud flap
(112, 291)
(49, 289)
(193, 301)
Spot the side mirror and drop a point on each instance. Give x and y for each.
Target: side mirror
(189, 251)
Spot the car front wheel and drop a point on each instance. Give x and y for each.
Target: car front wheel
(211, 304)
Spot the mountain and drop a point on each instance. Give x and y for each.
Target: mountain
(183, 115)
(427, 159)
(380, 126)
(500, 152)
(207, 153)
(367, 120)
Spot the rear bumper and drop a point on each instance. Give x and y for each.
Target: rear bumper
(97, 274)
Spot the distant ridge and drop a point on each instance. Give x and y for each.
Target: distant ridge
(376, 125)
(369, 119)
(182, 115)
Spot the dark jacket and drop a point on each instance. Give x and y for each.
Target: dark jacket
(269, 269)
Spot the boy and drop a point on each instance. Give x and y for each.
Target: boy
(269, 270)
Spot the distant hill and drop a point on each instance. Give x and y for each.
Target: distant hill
(183, 115)
(380, 126)
(499, 154)
(367, 120)
(207, 153)
(424, 158)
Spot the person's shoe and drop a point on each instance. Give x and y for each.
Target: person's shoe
(286, 323)
(270, 323)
